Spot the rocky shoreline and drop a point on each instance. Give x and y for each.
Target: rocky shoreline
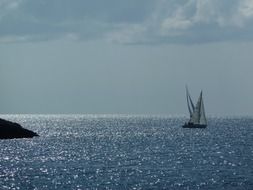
(11, 130)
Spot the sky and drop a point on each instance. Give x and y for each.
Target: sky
(125, 56)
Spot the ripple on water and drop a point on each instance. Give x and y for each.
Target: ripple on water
(128, 152)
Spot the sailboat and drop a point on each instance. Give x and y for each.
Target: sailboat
(197, 112)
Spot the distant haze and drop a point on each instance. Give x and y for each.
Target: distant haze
(129, 57)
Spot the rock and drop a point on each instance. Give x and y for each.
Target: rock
(11, 130)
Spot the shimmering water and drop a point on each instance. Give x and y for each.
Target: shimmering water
(128, 152)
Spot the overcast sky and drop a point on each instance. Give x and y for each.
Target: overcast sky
(125, 56)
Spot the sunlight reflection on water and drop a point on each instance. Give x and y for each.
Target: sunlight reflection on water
(128, 152)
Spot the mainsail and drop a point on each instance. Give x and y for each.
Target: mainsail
(202, 119)
(189, 102)
(198, 114)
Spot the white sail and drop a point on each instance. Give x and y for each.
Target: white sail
(189, 102)
(196, 112)
(202, 119)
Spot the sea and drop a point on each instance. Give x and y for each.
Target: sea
(128, 152)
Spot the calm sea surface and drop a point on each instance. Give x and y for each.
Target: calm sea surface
(128, 152)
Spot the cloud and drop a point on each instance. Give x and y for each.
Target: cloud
(193, 21)
(7, 6)
(142, 21)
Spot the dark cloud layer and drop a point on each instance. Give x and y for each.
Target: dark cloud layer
(131, 21)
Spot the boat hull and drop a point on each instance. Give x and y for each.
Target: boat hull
(191, 125)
